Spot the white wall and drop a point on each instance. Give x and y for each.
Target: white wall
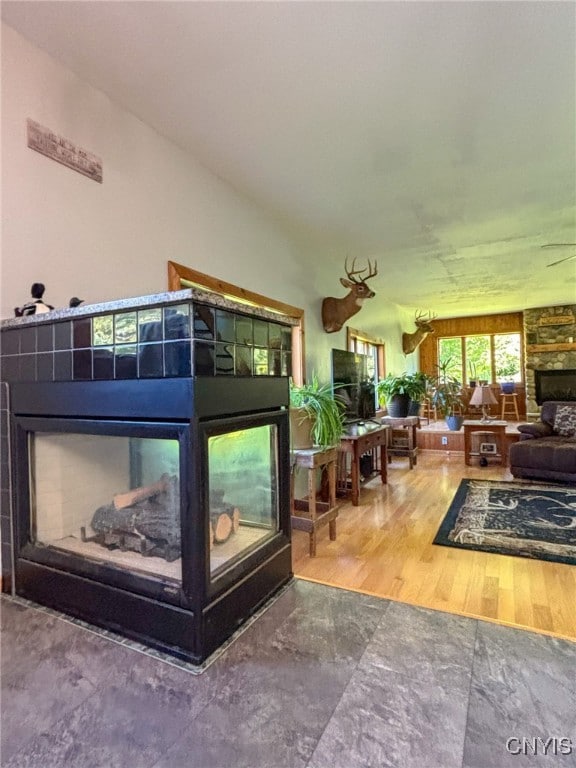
(112, 240)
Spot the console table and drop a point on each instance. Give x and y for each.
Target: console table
(309, 514)
(498, 428)
(360, 440)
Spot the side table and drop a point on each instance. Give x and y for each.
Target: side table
(496, 427)
(310, 514)
(359, 440)
(403, 437)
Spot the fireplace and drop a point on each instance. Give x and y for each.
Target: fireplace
(550, 352)
(166, 528)
(555, 385)
(156, 506)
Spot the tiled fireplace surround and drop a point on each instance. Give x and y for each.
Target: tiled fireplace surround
(548, 326)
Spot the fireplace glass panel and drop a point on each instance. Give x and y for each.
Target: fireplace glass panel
(115, 499)
(243, 478)
(555, 385)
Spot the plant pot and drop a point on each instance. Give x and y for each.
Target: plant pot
(507, 387)
(472, 383)
(301, 426)
(454, 422)
(414, 407)
(397, 406)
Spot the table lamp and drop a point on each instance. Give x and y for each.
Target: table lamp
(483, 396)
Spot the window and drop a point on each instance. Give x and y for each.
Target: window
(364, 344)
(183, 277)
(451, 352)
(507, 356)
(489, 358)
(477, 353)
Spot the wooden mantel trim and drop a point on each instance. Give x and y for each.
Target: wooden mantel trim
(567, 347)
(178, 273)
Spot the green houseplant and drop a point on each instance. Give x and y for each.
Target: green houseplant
(418, 391)
(398, 392)
(447, 395)
(317, 417)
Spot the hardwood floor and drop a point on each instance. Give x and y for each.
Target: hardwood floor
(384, 547)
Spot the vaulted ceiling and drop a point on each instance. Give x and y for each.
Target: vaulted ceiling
(435, 137)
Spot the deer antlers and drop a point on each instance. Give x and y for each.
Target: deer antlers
(421, 318)
(372, 271)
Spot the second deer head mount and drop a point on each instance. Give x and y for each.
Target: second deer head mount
(423, 327)
(335, 312)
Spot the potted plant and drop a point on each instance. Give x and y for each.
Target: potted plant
(316, 416)
(473, 374)
(447, 396)
(397, 392)
(418, 390)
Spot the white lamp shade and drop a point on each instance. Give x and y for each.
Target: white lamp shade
(482, 396)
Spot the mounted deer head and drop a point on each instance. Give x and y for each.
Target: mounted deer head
(335, 312)
(423, 327)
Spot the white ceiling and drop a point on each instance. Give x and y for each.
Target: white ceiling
(437, 138)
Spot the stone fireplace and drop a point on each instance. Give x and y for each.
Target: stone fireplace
(549, 338)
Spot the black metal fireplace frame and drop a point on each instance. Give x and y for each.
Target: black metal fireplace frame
(191, 620)
(208, 428)
(541, 375)
(52, 557)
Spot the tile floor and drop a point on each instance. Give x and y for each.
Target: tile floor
(324, 678)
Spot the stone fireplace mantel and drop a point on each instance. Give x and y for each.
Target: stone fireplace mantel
(549, 334)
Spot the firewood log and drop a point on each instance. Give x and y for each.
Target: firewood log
(222, 528)
(224, 518)
(122, 500)
(158, 519)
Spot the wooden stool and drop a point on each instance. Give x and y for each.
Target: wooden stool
(309, 514)
(509, 404)
(428, 411)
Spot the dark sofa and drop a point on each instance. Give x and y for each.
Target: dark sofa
(547, 449)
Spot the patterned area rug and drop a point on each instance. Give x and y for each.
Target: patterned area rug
(535, 520)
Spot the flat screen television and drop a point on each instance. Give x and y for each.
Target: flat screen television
(352, 384)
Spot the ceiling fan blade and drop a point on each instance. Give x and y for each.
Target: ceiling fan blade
(557, 245)
(568, 258)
